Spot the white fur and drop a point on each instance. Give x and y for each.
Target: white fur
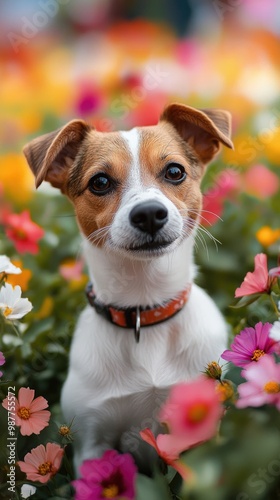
(132, 137)
(122, 234)
(115, 387)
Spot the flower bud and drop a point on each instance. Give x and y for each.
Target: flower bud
(214, 370)
(226, 391)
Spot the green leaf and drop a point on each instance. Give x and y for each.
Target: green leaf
(152, 488)
(246, 301)
(37, 328)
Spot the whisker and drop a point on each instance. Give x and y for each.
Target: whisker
(99, 234)
(199, 213)
(201, 238)
(212, 213)
(200, 234)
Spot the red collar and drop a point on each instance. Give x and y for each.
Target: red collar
(136, 317)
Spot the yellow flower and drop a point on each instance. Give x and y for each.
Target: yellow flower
(15, 177)
(20, 279)
(78, 284)
(45, 309)
(247, 149)
(272, 149)
(30, 121)
(267, 236)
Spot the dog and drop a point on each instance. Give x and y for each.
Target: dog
(147, 326)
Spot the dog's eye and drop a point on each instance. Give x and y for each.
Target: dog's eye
(100, 184)
(175, 173)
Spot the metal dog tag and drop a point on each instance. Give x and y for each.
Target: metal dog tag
(137, 325)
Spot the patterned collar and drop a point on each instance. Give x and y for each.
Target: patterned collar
(137, 317)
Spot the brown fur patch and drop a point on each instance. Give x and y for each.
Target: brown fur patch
(101, 152)
(160, 146)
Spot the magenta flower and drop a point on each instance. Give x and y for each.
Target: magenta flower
(2, 361)
(262, 386)
(250, 345)
(111, 476)
(260, 280)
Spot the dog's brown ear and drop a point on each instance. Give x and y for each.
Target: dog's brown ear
(203, 129)
(51, 155)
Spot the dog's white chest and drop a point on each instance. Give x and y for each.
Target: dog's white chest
(115, 387)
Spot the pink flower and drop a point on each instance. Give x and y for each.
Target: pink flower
(226, 184)
(258, 280)
(2, 361)
(168, 449)
(192, 411)
(212, 209)
(71, 269)
(260, 181)
(23, 232)
(262, 386)
(42, 463)
(30, 413)
(111, 476)
(250, 345)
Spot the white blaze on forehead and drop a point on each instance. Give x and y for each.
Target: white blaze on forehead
(132, 138)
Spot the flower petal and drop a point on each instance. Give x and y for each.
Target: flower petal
(25, 397)
(257, 281)
(38, 404)
(54, 454)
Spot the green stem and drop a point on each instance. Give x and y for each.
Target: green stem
(68, 466)
(2, 279)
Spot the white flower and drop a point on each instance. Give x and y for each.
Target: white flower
(27, 490)
(12, 305)
(275, 331)
(7, 267)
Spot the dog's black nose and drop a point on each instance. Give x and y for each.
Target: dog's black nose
(149, 216)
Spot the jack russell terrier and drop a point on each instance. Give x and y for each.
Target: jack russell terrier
(138, 202)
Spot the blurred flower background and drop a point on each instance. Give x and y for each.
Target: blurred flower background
(116, 64)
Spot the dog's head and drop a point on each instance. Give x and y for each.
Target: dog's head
(135, 192)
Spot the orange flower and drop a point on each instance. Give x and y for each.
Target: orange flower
(272, 150)
(20, 279)
(45, 309)
(16, 178)
(266, 236)
(42, 463)
(30, 414)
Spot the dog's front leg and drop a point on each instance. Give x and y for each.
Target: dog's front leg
(92, 433)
